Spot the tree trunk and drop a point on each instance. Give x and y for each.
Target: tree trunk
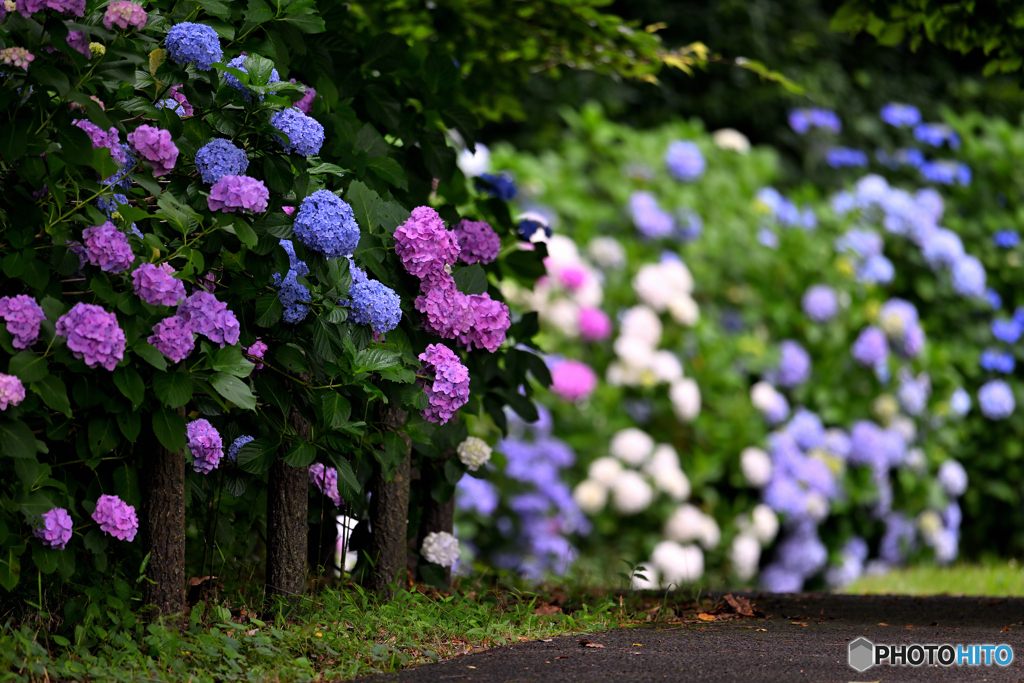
(435, 516)
(163, 525)
(389, 513)
(287, 511)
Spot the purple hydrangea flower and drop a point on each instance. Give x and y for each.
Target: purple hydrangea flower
(684, 160)
(794, 364)
(305, 105)
(900, 538)
(876, 269)
(108, 248)
(326, 224)
(960, 402)
(12, 391)
(256, 353)
(155, 146)
(23, 317)
(806, 429)
(1008, 331)
(476, 495)
(936, 134)
(845, 157)
(489, 323)
(477, 241)
(900, 115)
(651, 220)
(56, 530)
(449, 389)
(942, 248)
(124, 14)
(176, 102)
(326, 479)
(211, 318)
(206, 445)
(305, 134)
(197, 44)
(446, 310)
(572, 380)
(913, 393)
(819, 303)
(77, 40)
(232, 82)
(236, 446)
(595, 325)
(233, 192)
(425, 245)
(30, 7)
(994, 360)
(870, 349)
(173, 337)
(116, 517)
(946, 172)
(375, 304)
(17, 57)
(802, 120)
(219, 158)
(110, 139)
(156, 284)
(93, 335)
(995, 398)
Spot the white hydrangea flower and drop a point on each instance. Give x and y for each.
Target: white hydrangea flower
(684, 310)
(473, 452)
(562, 315)
(817, 506)
(631, 493)
(905, 427)
(634, 352)
(677, 277)
(677, 564)
(604, 470)
(476, 163)
(731, 139)
(607, 253)
(651, 287)
(765, 523)
(763, 396)
(930, 524)
(685, 397)
(562, 252)
(644, 578)
(665, 366)
(632, 446)
(745, 554)
(668, 476)
(591, 496)
(688, 523)
(756, 466)
(640, 322)
(619, 374)
(440, 547)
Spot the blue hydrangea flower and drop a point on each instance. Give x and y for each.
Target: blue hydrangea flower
(236, 446)
(794, 364)
(685, 161)
(946, 172)
(845, 157)
(996, 400)
(326, 224)
(651, 220)
(357, 273)
(802, 120)
(300, 267)
(375, 304)
(218, 158)
(293, 297)
(1008, 331)
(172, 104)
(969, 277)
(1006, 239)
(876, 270)
(500, 186)
(936, 134)
(767, 238)
(913, 393)
(960, 402)
(900, 538)
(943, 248)
(529, 227)
(230, 79)
(900, 115)
(862, 243)
(109, 206)
(197, 44)
(994, 360)
(305, 134)
(689, 225)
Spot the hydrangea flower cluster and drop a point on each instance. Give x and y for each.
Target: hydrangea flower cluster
(218, 158)
(326, 224)
(93, 335)
(326, 480)
(594, 324)
(176, 102)
(375, 304)
(236, 446)
(473, 453)
(29, 7)
(23, 316)
(77, 40)
(156, 284)
(449, 389)
(206, 445)
(238, 192)
(156, 147)
(684, 160)
(198, 44)
(110, 139)
(12, 391)
(794, 364)
(478, 243)
(305, 134)
(173, 337)
(784, 212)
(57, 529)
(845, 157)
(650, 219)
(232, 82)
(256, 353)
(803, 120)
(572, 380)
(292, 294)
(17, 57)
(819, 303)
(900, 115)
(496, 185)
(123, 13)
(424, 245)
(440, 547)
(995, 399)
(116, 517)
(208, 316)
(108, 248)
(305, 105)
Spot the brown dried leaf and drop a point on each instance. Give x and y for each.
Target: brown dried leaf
(799, 623)
(704, 616)
(593, 645)
(882, 623)
(1005, 628)
(546, 610)
(196, 580)
(741, 605)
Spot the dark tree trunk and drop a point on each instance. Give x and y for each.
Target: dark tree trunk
(435, 516)
(287, 528)
(163, 525)
(323, 536)
(389, 513)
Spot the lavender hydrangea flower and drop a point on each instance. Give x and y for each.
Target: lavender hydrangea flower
(936, 134)
(326, 479)
(572, 380)
(100, 138)
(995, 398)
(23, 317)
(375, 304)
(236, 446)
(256, 353)
(651, 220)
(819, 303)
(900, 538)
(155, 146)
(960, 402)
(12, 391)
(206, 445)
(594, 324)
(969, 277)
(425, 245)
(211, 318)
(93, 335)
(77, 40)
(845, 157)
(870, 349)
(689, 225)
(56, 530)
(449, 389)
(17, 57)
(326, 224)
(794, 364)
(684, 160)
(802, 120)
(953, 478)
(234, 192)
(174, 338)
(942, 249)
(900, 115)
(1008, 331)
(197, 44)
(116, 517)
(876, 269)
(305, 134)
(913, 393)
(124, 14)
(305, 105)
(478, 243)
(232, 82)
(219, 158)
(946, 172)
(29, 7)
(993, 360)
(108, 248)
(156, 284)
(489, 323)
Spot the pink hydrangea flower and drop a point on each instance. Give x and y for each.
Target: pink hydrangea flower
(290, 210)
(124, 14)
(489, 323)
(155, 146)
(238, 192)
(110, 139)
(305, 105)
(256, 353)
(595, 325)
(449, 390)
(12, 391)
(17, 57)
(573, 380)
(93, 334)
(156, 284)
(572, 277)
(116, 517)
(424, 244)
(326, 479)
(108, 248)
(77, 40)
(478, 243)
(208, 316)
(56, 530)
(206, 445)
(173, 337)
(446, 310)
(23, 317)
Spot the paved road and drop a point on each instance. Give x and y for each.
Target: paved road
(801, 638)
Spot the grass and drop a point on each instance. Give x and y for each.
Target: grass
(1002, 579)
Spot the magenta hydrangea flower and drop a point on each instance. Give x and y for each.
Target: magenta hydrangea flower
(449, 390)
(206, 445)
(17, 57)
(56, 530)
(12, 391)
(595, 325)
(156, 284)
(173, 337)
(30, 7)
(77, 40)
(256, 353)
(93, 335)
(176, 102)
(23, 317)
(155, 146)
(305, 105)
(446, 310)
(116, 517)
(108, 248)
(233, 192)
(124, 14)
(489, 323)
(100, 138)
(478, 243)
(211, 318)
(573, 380)
(424, 244)
(326, 479)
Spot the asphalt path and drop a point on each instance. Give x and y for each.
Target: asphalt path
(798, 638)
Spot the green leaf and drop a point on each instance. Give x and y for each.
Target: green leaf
(291, 357)
(453, 471)
(173, 388)
(258, 12)
(17, 440)
(336, 408)
(149, 354)
(234, 390)
(471, 279)
(28, 367)
(230, 360)
(260, 69)
(307, 23)
(523, 406)
(348, 485)
(369, 360)
(216, 8)
(130, 383)
(390, 170)
(10, 566)
(257, 456)
(538, 367)
(324, 168)
(169, 428)
(54, 393)
(392, 455)
(103, 436)
(277, 173)
(392, 214)
(245, 233)
(526, 264)
(268, 310)
(301, 454)
(130, 424)
(65, 567)
(365, 204)
(14, 139)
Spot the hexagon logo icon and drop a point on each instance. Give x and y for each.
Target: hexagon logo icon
(862, 654)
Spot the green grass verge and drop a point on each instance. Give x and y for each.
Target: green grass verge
(1003, 579)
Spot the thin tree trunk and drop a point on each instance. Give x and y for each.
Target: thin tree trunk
(389, 513)
(163, 525)
(287, 511)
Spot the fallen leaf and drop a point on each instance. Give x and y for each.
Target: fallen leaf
(909, 626)
(470, 667)
(562, 657)
(1005, 628)
(545, 640)
(547, 610)
(762, 629)
(196, 580)
(634, 653)
(741, 605)
(638, 644)
(704, 616)
(882, 623)
(799, 623)
(587, 643)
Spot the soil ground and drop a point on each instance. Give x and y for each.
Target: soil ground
(799, 638)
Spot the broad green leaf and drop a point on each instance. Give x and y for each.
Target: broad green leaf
(149, 354)
(369, 360)
(54, 393)
(291, 358)
(130, 383)
(28, 367)
(234, 390)
(169, 428)
(174, 389)
(268, 310)
(348, 485)
(257, 456)
(390, 170)
(336, 408)
(16, 439)
(130, 424)
(230, 360)
(10, 566)
(103, 435)
(471, 279)
(365, 204)
(392, 455)
(301, 454)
